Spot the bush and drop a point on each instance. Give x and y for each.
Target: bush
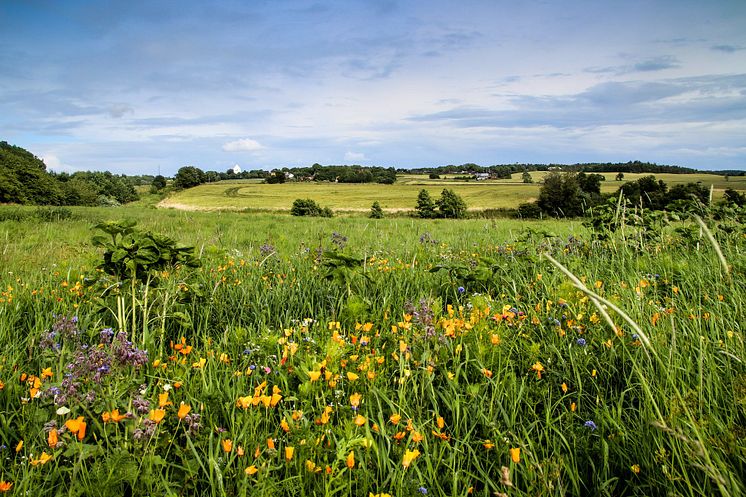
(434, 176)
(375, 211)
(308, 207)
(529, 210)
(425, 207)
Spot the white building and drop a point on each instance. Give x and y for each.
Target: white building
(236, 169)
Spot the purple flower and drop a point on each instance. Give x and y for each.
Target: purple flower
(590, 424)
(461, 289)
(422, 490)
(581, 342)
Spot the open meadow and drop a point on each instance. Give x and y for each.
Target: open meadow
(253, 195)
(350, 356)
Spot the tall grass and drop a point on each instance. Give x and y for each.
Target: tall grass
(459, 340)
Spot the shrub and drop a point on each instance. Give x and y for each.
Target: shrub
(375, 211)
(308, 207)
(529, 210)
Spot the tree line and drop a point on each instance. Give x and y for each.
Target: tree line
(573, 194)
(24, 179)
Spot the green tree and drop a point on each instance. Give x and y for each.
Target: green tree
(560, 195)
(159, 183)
(620, 177)
(526, 177)
(375, 211)
(189, 176)
(305, 207)
(451, 205)
(425, 206)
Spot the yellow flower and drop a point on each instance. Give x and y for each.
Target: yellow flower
(289, 451)
(350, 462)
(538, 368)
(312, 467)
(19, 446)
(199, 364)
(395, 418)
(564, 387)
(515, 454)
(314, 375)
(183, 410)
(5, 486)
(409, 456)
(227, 445)
(488, 444)
(43, 459)
(284, 425)
(251, 470)
(157, 415)
(352, 376)
(359, 420)
(635, 468)
(47, 373)
(163, 400)
(355, 399)
(440, 422)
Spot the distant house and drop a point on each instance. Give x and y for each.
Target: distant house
(289, 175)
(236, 169)
(554, 168)
(481, 176)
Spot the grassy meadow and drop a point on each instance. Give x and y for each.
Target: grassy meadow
(349, 356)
(252, 195)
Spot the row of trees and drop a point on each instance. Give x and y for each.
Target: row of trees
(570, 195)
(190, 176)
(24, 179)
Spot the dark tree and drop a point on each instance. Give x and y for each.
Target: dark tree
(425, 206)
(560, 195)
(375, 211)
(159, 183)
(451, 205)
(189, 176)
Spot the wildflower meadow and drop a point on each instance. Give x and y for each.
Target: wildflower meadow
(225, 354)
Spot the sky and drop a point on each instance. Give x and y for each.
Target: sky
(147, 86)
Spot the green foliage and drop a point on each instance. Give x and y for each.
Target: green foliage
(133, 255)
(277, 177)
(24, 180)
(158, 183)
(308, 207)
(451, 205)
(733, 197)
(529, 210)
(375, 211)
(189, 176)
(526, 177)
(425, 207)
(560, 195)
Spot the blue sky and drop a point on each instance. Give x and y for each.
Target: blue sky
(134, 86)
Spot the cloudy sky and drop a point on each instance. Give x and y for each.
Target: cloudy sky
(137, 85)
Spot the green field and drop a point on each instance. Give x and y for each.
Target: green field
(350, 356)
(243, 195)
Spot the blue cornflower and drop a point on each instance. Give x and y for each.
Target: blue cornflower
(422, 490)
(590, 424)
(461, 289)
(581, 342)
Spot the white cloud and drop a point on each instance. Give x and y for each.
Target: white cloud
(355, 157)
(55, 164)
(243, 145)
